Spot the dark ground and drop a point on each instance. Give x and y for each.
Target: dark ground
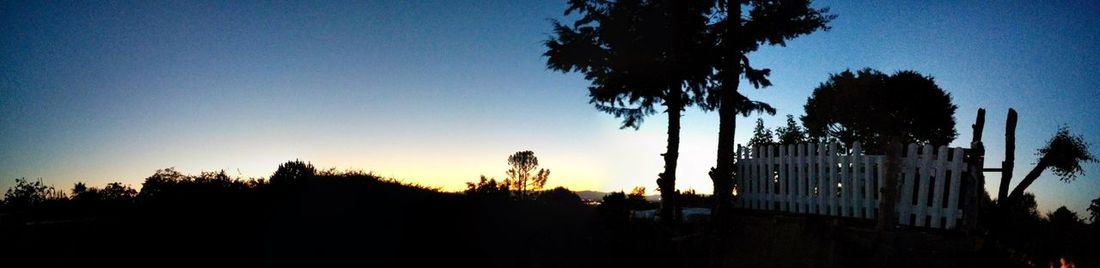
(366, 222)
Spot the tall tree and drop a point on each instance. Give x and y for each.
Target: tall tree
(522, 176)
(1064, 154)
(737, 33)
(761, 135)
(792, 133)
(870, 107)
(639, 54)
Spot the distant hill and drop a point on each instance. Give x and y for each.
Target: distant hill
(597, 195)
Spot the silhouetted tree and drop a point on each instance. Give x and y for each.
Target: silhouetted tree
(792, 133)
(115, 191)
(293, 172)
(1063, 234)
(559, 196)
(736, 34)
(26, 194)
(520, 176)
(760, 135)
(1064, 154)
(1094, 211)
(1063, 217)
(638, 54)
(870, 107)
(160, 183)
(81, 193)
(690, 198)
(487, 187)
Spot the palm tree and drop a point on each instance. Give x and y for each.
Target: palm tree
(1064, 154)
(638, 54)
(736, 35)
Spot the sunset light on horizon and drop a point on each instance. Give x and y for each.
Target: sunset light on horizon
(432, 93)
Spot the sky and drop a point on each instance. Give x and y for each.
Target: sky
(440, 92)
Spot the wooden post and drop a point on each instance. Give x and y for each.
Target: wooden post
(1010, 155)
(887, 216)
(977, 178)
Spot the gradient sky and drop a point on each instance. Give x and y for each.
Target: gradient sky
(440, 92)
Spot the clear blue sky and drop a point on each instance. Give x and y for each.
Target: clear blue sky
(439, 92)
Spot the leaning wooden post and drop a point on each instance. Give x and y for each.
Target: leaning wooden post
(1010, 155)
(977, 178)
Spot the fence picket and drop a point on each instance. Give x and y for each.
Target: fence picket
(921, 180)
(937, 190)
(804, 177)
(905, 206)
(957, 168)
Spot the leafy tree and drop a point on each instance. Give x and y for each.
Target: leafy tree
(639, 54)
(1063, 217)
(760, 135)
(160, 183)
(520, 176)
(26, 194)
(1064, 154)
(870, 107)
(737, 33)
(487, 187)
(115, 191)
(792, 133)
(293, 172)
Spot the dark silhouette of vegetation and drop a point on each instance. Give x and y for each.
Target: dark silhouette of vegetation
(637, 55)
(615, 208)
(760, 135)
(488, 188)
(870, 107)
(309, 217)
(1094, 211)
(340, 217)
(791, 133)
(292, 172)
(741, 28)
(1063, 154)
(26, 194)
(520, 177)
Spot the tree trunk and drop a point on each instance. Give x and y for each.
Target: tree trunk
(1028, 180)
(667, 179)
(1010, 155)
(722, 172)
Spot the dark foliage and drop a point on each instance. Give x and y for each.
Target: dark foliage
(868, 106)
(318, 218)
(292, 172)
(791, 133)
(1064, 154)
(761, 136)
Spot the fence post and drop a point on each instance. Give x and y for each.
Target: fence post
(976, 184)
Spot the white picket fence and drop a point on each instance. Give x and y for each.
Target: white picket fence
(822, 179)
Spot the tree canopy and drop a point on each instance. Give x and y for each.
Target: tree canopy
(1064, 154)
(520, 176)
(637, 54)
(866, 106)
(760, 135)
